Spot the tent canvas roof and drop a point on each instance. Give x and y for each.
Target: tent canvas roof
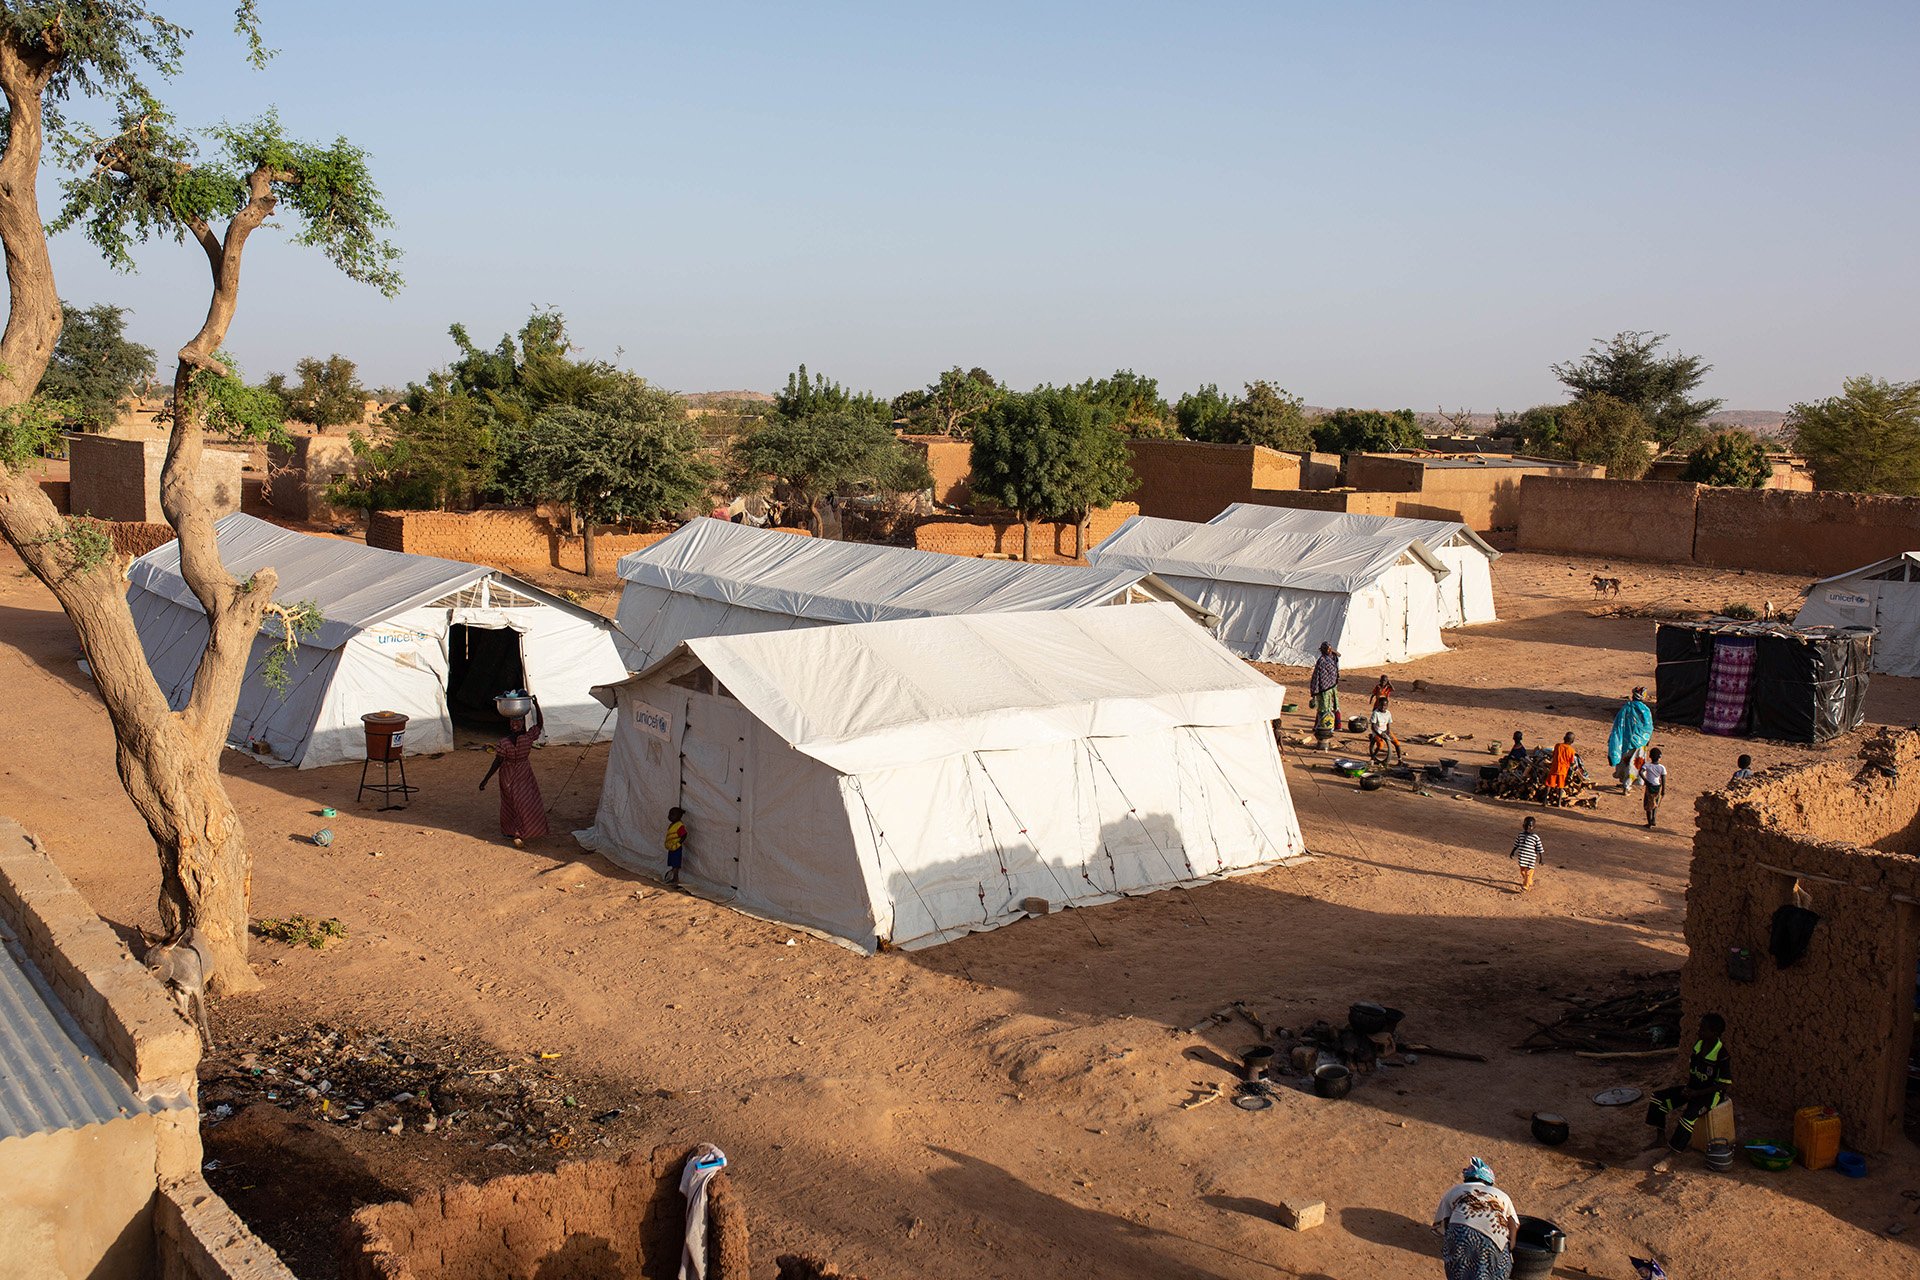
(855, 582)
(354, 585)
(1325, 561)
(1433, 534)
(887, 694)
(1912, 557)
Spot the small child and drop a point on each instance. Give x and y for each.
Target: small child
(676, 842)
(1654, 775)
(1744, 769)
(1527, 851)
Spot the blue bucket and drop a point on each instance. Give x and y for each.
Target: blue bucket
(1851, 1163)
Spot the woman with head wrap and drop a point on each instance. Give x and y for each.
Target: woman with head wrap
(1479, 1224)
(1627, 744)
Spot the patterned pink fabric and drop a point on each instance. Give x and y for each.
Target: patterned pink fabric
(1728, 680)
(523, 813)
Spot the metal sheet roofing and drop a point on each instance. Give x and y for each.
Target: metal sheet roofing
(52, 1076)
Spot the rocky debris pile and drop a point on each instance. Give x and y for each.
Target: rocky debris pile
(375, 1082)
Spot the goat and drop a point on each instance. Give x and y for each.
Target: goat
(1606, 586)
(182, 964)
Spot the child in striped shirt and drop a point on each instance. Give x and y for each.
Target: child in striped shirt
(1527, 851)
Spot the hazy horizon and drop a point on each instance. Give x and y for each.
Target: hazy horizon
(1386, 206)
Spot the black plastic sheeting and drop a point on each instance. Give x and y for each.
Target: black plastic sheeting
(1807, 686)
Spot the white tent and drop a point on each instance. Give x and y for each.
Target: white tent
(1885, 594)
(403, 633)
(1466, 593)
(1280, 594)
(713, 578)
(903, 783)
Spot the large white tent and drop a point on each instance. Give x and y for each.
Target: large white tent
(713, 578)
(413, 634)
(1886, 595)
(1465, 593)
(1279, 594)
(903, 783)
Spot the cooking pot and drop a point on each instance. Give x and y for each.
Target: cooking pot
(514, 703)
(1356, 725)
(1333, 1082)
(1549, 1129)
(1367, 1018)
(1372, 782)
(1537, 1246)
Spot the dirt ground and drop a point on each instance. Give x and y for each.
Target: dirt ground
(1009, 1105)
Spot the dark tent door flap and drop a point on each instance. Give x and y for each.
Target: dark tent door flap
(482, 662)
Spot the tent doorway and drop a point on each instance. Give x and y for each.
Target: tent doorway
(481, 662)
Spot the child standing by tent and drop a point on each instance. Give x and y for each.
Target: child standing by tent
(1527, 851)
(676, 842)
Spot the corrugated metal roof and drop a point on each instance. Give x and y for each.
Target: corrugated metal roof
(52, 1076)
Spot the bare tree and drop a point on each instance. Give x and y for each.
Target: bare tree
(140, 180)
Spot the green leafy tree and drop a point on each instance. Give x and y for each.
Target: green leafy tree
(628, 455)
(437, 451)
(1132, 401)
(821, 397)
(956, 396)
(1049, 454)
(1203, 414)
(1730, 459)
(1535, 430)
(95, 368)
(139, 177)
(1864, 440)
(328, 394)
(1604, 430)
(1367, 431)
(1268, 416)
(824, 454)
(1629, 368)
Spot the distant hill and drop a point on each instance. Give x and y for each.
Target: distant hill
(1762, 422)
(707, 399)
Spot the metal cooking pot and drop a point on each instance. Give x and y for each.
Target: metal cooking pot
(514, 703)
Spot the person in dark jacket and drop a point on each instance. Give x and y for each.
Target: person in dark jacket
(1709, 1083)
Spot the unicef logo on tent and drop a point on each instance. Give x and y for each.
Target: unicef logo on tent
(653, 722)
(1846, 599)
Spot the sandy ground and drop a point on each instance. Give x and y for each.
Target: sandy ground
(1010, 1104)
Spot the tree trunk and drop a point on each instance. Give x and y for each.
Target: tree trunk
(168, 761)
(1026, 537)
(1080, 535)
(587, 555)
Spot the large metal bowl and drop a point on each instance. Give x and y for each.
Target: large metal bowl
(514, 703)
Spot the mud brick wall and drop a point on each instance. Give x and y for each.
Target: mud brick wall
(198, 1237)
(1783, 531)
(1637, 519)
(1834, 1028)
(509, 539)
(583, 1221)
(299, 472)
(951, 463)
(1483, 497)
(1051, 542)
(1186, 480)
(131, 540)
(119, 479)
(1319, 470)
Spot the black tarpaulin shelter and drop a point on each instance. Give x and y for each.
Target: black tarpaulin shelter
(1762, 680)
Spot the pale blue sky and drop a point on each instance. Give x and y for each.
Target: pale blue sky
(1370, 203)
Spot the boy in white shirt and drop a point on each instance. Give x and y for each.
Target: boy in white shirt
(1654, 775)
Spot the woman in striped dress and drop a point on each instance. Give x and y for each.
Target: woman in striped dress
(1527, 851)
(523, 813)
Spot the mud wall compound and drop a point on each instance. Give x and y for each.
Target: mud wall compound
(1773, 530)
(1834, 1028)
(584, 1221)
(1051, 541)
(1187, 480)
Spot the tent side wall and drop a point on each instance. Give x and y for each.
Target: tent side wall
(1466, 593)
(1892, 606)
(397, 665)
(961, 842)
(564, 656)
(1264, 623)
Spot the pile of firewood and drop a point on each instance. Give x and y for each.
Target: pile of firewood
(1644, 1022)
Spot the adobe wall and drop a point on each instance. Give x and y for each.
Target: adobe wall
(299, 472)
(1384, 473)
(584, 1221)
(1818, 534)
(113, 478)
(199, 1237)
(508, 539)
(951, 463)
(1483, 497)
(1834, 1028)
(1050, 541)
(1319, 470)
(1637, 519)
(1187, 480)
